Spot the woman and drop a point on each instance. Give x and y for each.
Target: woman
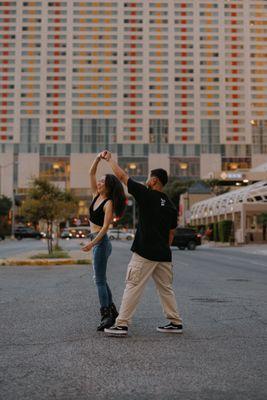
(108, 199)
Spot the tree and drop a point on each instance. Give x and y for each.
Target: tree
(5, 207)
(175, 188)
(47, 202)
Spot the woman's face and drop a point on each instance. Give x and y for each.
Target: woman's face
(101, 185)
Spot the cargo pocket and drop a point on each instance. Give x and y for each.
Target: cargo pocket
(133, 274)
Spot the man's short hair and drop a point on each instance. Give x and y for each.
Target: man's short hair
(161, 174)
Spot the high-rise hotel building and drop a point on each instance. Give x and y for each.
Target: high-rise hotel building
(175, 84)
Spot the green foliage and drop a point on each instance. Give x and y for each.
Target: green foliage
(49, 203)
(215, 232)
(175, 188)
(262, 219)
(5, 205)
(54, 254)
(225, 230)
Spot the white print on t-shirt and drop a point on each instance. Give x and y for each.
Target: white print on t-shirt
(162, 202)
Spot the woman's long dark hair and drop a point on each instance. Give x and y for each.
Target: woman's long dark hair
(116, 193)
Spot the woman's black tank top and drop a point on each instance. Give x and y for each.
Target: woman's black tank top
(97, 216)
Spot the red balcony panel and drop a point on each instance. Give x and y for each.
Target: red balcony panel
(132, 70)
(132, 120)
(3, 111)
(55, 112)
(183, 30)
(3, 137)
(184, 104)
(132, 137)
(4, 120)
(55, 137)
(184, 129)
(133, 46)
(132, 95)
(184, 138)
(233, 22)
(184, 96)
(184, 37)
(235, 113)
(184, 121)
(184, 112)
(55, 103)
(133, 103)
(3, 129)
(184, 87)
(132, 87)
(133, 129)
(235, 138)
(132, 112)
(55, 128)
(133, 78)
(55, 86)
(235, 130)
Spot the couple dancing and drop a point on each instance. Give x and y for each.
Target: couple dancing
(151, 245)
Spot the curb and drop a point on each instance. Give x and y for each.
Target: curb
(41, 262)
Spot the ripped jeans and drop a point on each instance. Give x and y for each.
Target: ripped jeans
(101, 253)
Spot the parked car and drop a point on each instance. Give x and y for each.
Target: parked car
(2, 236)
(118, 234)
(72, 233)
(186, 237)
(26, 232)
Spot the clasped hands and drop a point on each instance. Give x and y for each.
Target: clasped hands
(105, 155)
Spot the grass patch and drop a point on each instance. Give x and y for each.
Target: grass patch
(54, 254)
(82, 262)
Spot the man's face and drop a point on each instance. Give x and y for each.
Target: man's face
(150, 182)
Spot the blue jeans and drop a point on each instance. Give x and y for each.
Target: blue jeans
(101, 253)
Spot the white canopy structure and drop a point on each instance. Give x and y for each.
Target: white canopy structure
(241, 206)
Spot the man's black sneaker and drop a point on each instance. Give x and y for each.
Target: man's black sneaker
(117, 331)
(171, 328)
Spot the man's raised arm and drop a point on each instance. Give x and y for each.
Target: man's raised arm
(117, 170)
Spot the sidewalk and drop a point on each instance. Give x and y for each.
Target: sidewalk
(24, 258)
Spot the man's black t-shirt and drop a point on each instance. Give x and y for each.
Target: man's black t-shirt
(157, 216)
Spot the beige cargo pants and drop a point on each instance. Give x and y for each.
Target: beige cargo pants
(139, 271)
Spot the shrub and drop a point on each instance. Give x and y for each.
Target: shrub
(225, 229)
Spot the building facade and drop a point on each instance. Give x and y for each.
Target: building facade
(175, 84)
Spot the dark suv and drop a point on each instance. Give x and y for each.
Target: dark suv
(186, 237)
(26, 232)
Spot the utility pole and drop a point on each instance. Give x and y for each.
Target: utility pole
(13, 214)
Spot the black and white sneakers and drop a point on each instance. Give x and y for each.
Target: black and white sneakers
(119, 331)
(170, 328)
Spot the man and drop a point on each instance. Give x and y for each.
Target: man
(151, 249)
